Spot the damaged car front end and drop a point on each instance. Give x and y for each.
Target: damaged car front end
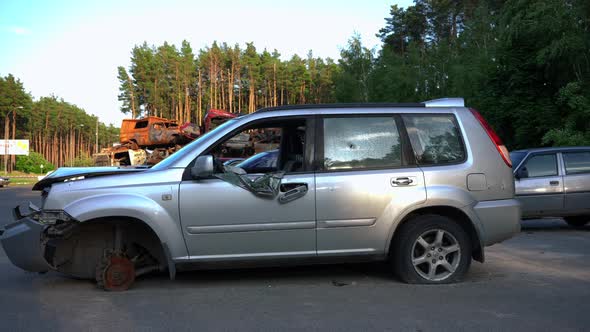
(24, 239)
(112, 250)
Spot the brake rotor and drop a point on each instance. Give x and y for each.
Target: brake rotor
(119, 273)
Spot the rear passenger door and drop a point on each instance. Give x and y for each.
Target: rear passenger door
(577, 181)
(365, 177)
(539, 185)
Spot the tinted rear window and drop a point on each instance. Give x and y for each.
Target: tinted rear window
(436, 139)
(577, 162)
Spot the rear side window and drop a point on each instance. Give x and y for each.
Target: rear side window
(141, 124)
(361, 143)
(436, 139)
(577, 162)
(541, 165)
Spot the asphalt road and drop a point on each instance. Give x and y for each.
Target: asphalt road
(537, 281)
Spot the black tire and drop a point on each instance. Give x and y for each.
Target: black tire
(577, 221)
(405, 248)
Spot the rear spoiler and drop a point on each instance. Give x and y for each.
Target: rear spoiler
(445, 102)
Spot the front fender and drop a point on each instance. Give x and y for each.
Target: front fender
(162, 221)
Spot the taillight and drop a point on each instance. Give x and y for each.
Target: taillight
(494, 137)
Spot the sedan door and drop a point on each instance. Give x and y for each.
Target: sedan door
(539, 186)
(577, 181)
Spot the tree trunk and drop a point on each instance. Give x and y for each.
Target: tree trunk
(6, 135)
(230, 88)
(13, 157)
(274, 79)
(132, 94)
(200, 100)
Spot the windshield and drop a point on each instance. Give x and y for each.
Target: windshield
(180, 153)
(516, 158)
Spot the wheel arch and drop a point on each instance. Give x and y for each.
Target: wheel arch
(133, 208)
(457, 214)
(154, 244)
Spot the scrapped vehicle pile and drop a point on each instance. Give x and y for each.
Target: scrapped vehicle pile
(149, 140)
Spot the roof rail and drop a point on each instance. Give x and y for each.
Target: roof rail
(339, 105)
(445, 102)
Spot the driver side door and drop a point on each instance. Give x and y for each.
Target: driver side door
(222, 221)
(539, 185)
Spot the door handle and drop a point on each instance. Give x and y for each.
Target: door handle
(405, 181)
(293, 194)
(554, 183)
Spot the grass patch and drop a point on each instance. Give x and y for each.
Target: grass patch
(18, 181)
(21, 178)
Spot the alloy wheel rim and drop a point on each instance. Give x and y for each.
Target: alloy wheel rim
(436, 255)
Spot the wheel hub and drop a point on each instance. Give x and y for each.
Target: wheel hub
(119, 274)
(435, 255)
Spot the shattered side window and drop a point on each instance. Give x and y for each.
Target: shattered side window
(271, 150)
(359, 143)
(436, 139)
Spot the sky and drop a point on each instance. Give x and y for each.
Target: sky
(71, 49)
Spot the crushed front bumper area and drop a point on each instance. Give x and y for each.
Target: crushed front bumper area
(23, 243)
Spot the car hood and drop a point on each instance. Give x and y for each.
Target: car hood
(67, 173)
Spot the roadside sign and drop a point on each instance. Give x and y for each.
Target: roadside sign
(14, 147)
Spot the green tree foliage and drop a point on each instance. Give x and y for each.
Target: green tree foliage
(352, 82)
(32, 163)
(61, 131)
(538, 93)
(15, 108)
(178, 85)
(56, 129)
(83, 160)
(523, 63)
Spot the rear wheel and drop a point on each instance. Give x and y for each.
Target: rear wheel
(431, 249)
(577, 221)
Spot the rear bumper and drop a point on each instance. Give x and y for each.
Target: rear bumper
(499, 219)
(23, 244)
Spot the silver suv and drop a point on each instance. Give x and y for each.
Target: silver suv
(424, 186)
(554, 182)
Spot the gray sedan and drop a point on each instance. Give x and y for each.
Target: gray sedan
(554, 182)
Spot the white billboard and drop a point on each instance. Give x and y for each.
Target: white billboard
(14, 147)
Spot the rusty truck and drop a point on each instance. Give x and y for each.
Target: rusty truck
(151, 139)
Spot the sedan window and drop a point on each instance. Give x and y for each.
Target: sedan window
(577, 162)
(541, 165)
